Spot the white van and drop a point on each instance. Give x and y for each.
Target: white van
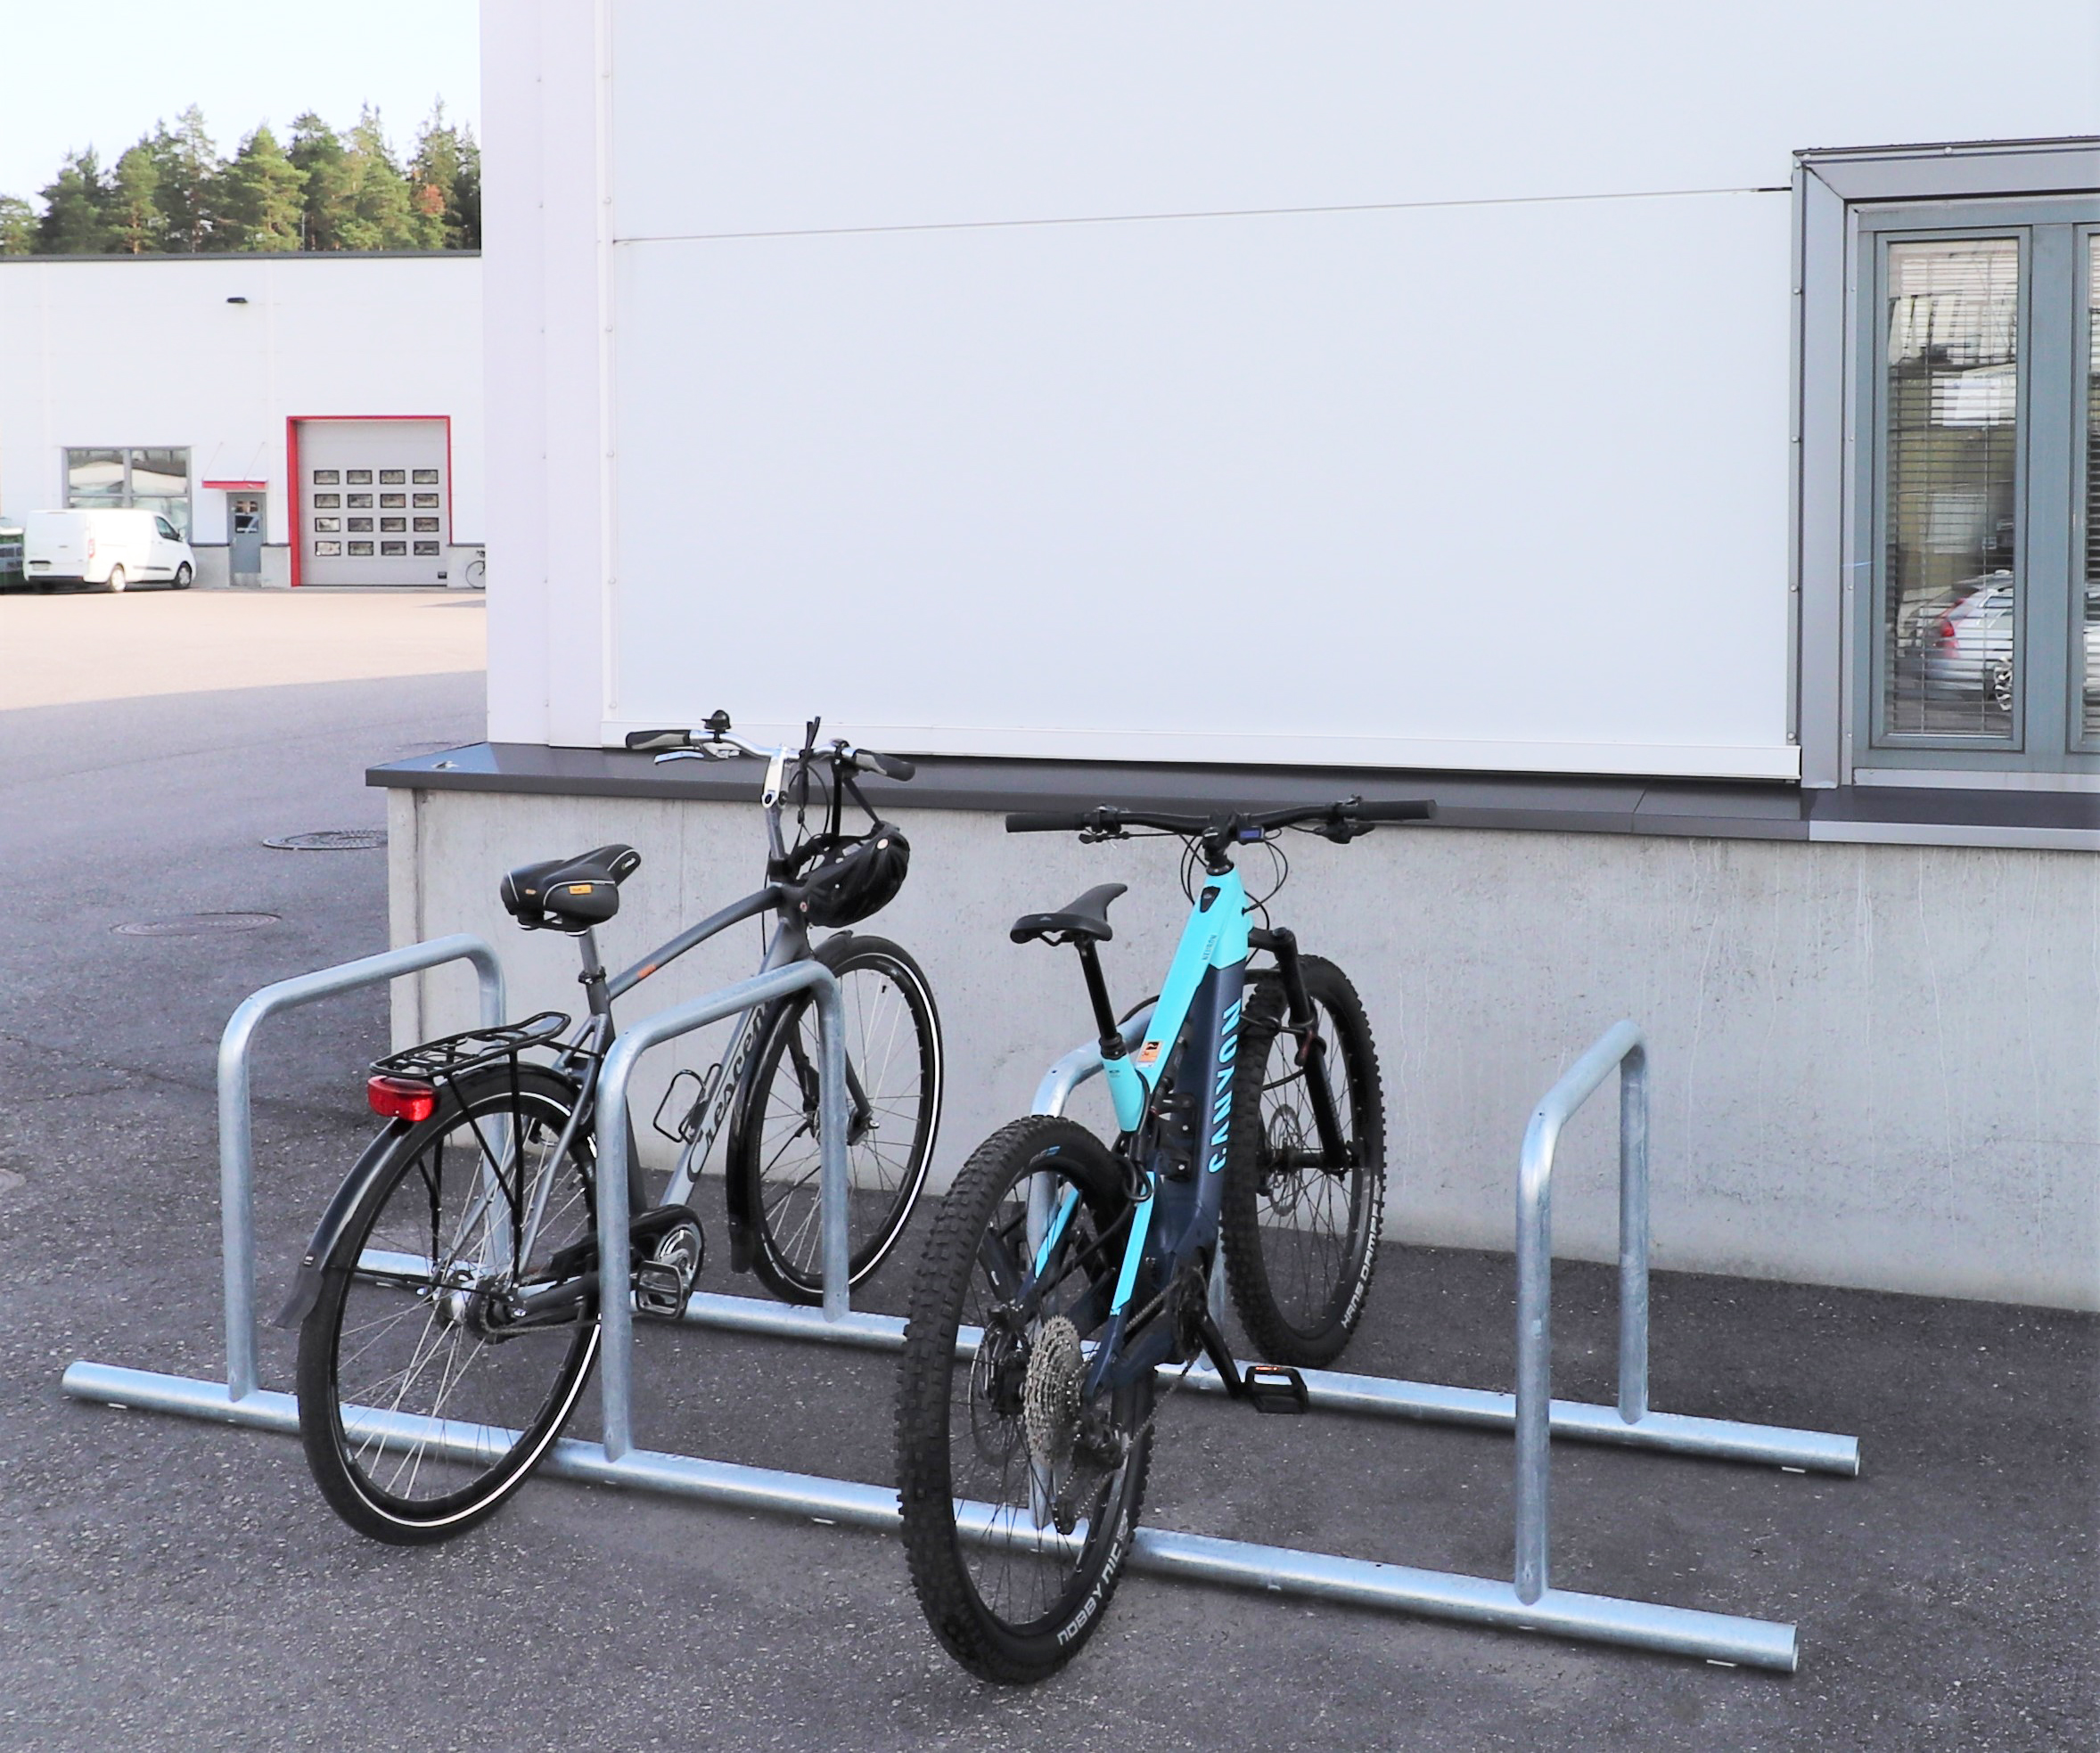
(111, 548)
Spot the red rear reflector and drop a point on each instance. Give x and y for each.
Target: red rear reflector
(401, 1098)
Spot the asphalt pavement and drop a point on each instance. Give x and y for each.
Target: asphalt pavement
(167, 1583)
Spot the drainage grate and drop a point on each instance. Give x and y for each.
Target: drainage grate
(330, 840)
(197, 925)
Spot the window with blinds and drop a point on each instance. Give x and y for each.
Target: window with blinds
(1976, 568)
(2088, 609)
(1951, 600)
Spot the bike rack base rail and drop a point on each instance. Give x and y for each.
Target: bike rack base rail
(1158, 1552)
(1341, 1391)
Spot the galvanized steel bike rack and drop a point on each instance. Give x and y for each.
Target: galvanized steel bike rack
(1528, 1602)
(237, 1126)
(616, 1314)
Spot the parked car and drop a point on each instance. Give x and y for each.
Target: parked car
(112, 549)
(1967, 652)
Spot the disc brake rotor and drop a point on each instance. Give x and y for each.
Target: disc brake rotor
(1283, 1186)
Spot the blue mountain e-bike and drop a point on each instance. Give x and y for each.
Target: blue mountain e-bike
(1062, 1271)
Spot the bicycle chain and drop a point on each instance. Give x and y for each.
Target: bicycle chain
(1173, 1387)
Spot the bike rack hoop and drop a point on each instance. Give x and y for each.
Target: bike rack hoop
(1624, 1049)
(236, 1127)
(615, 1311)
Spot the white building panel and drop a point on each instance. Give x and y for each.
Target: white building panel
(735, 118)
(1498, 486)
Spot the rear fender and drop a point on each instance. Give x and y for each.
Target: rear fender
(306, 1285)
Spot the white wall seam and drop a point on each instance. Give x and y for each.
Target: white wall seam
(1204, 213)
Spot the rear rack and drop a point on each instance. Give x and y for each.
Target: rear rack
(455, 1055)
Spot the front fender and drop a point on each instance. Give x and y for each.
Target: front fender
(306, 1286)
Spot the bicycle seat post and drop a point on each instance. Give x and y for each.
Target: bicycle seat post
(1105, 1013)
(593, 978)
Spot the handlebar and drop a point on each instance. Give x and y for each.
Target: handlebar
(644, 740)
(1107, 819)
(891, 767)
(1050, 822)
(722, 742)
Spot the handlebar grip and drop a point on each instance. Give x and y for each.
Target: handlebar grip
(1420, 809)
(891, 767)
(658, 739)
(1046, 821)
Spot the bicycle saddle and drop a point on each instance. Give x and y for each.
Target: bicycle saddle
(1086, 917)
(570, 894)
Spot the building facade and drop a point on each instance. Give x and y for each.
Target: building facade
(1644, 432)
(303, 418)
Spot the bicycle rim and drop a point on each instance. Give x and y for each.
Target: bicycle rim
(436, 1405)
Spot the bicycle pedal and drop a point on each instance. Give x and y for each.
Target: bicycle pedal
(1274, 1387)
(669, 1249)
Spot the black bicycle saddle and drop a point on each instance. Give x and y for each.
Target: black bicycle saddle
(1086, 917)
(569, 893)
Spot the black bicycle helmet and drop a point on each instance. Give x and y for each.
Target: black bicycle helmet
(847, 879)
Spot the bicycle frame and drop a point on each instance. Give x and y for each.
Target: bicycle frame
(583, 1052)
(1174, 1222)
(788, 942)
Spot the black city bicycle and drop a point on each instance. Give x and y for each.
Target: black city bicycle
(448, 1305)
(1062, 1271)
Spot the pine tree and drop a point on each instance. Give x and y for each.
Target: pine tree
(135, 214)
(17, 226)
(316, 152)
(188, 163)
(446, 175)
(462, 214)
(76, 219)
(379, 214)
(255, 199)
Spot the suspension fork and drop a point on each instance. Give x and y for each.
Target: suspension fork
(1312, 1051)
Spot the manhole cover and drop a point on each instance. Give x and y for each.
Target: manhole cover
(330, 840)
(197, 925)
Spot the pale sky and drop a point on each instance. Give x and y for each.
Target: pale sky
(79, 75)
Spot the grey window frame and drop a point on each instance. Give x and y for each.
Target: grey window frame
(129, 499)
(1841, 198)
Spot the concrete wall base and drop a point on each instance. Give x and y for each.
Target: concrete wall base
(1875, 1066)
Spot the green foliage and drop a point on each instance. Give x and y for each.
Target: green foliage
(189, 166)
(446, 173)
(134, 211)
(17, 226)
(257, 198)
(171, 192)
(76, 209)
(316, 152)
(379, 214)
